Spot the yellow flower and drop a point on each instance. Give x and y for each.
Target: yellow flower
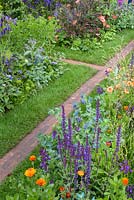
(32, 158)
(80, 173)
(41, 182)
(125, 181)
(119, 116)
(110, 89)
(30, 172)
(109, 131)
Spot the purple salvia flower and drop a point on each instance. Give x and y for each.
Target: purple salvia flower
(64, 161)
(97, 110)
(118, 139)
(100, 90)
(44, 159)
(125, 167)
(59, 147)
(63, 120)
(75, 173)
(88, 169)
(54, 133)
(78, 156)
(97, 138)
(130, 191)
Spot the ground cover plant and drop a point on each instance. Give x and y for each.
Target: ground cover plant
(88, 156)
(16, 123)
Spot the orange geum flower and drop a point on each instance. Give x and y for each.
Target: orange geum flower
(32, 158)
(118, 86)
(107, 26)
(125, 181)
(110, 89)
(132, 83)
(114, 16)
(61, 188)
(102, 18)
(68, 195)
(125, 108)
(74, 22)
(128, 83)
(30, 172)
(109, 144)
(80, 173)
(126, 91)
(41, 182)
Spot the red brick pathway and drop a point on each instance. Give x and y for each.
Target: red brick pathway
(19, 153)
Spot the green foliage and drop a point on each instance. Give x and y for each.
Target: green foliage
(23, 74)
(14, 8)
(40, 29)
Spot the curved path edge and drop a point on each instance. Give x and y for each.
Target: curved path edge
(11, 159)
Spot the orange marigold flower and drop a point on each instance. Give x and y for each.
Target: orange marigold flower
(110, 89)
(32, 158)
(125, 181)
(41, 182)
(80, 173)
(30, 172)
(126, 91)
(68, 195)
(125, 108)
(61, 188)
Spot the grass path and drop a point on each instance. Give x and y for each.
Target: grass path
(25, 117)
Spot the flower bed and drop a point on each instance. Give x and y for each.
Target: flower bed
(88, 156)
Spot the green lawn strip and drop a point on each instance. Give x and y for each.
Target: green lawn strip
(102, 55)
(24, 118)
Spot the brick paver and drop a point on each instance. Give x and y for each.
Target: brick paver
(19, 153)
